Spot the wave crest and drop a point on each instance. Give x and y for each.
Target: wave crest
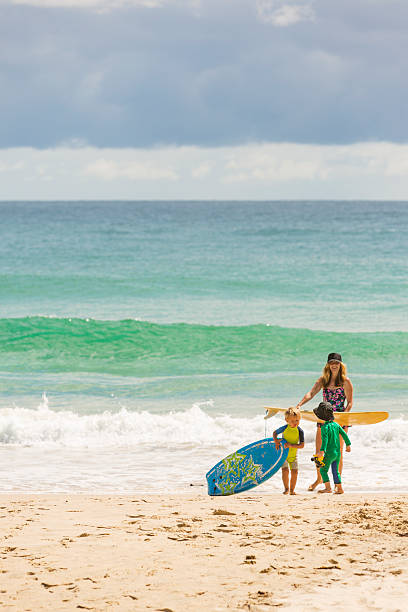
(144, 349)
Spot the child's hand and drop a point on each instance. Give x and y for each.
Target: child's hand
(320, 454)
(277, 444)
(348, 449)
(287, 445)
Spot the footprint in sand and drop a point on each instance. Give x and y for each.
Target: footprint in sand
(267, 570)
(135, 516)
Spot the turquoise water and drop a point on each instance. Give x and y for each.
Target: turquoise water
(325, 266)
(128, 313)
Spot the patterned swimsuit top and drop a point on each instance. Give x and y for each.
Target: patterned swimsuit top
(335, 397)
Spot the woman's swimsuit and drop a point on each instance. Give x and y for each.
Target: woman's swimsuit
(335, 397)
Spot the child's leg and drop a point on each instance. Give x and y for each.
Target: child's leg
(335, 471)
(293, 475)
(293, 481)
(325, 478)
(337, 476)
(285, 480)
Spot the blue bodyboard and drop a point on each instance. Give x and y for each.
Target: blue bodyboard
(247, 468)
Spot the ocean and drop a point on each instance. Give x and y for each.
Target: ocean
(140, 341)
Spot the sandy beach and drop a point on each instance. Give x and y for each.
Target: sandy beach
(192, 552)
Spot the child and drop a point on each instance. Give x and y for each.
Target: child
(330, 448)
(295, 439)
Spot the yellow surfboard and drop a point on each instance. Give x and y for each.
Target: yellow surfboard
(342, 418)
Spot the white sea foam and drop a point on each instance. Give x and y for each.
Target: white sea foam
(47, 428)
(124, 451)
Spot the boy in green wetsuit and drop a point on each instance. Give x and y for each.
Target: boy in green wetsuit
(330, 447)
(295, 439)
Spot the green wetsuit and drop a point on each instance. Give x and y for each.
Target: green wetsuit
(331, 447)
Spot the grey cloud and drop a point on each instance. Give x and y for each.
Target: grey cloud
(209, 74)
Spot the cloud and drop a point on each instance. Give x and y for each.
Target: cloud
(282, 163)
(109, 170)
(211, 74)
(284, 13)
(11, 167)
(254, 171)
(201, 171)
(101, 5)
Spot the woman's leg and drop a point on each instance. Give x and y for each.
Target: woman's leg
(318, 445)
(341, 451)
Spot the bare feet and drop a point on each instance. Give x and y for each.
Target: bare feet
(338, 490)
(316, 482)
(292, 493)
(286, 492)
(325, 491)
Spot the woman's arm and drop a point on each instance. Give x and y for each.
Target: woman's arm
(310, 394)
(348, 390)
(323, 445)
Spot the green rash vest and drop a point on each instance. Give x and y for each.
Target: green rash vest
(330, 438)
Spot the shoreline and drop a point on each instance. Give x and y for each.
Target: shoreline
(188, 551)
(300, 493)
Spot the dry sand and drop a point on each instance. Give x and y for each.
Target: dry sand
(192, 552)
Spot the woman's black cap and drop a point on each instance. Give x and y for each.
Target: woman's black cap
(334, 357)
(324, 411)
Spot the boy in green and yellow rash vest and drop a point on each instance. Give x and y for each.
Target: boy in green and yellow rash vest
(295, 439)
(330, 448)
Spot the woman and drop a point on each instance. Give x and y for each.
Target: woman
(338, 391)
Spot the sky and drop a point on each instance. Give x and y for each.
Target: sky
(212, 99)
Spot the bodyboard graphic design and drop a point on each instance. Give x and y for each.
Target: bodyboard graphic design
(247, 468)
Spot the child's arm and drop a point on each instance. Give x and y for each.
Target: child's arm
(276, 433)
(301, 442)
(345, 438)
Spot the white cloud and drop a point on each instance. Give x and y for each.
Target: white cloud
(105, 5)
(283, 162)
(284, 13)
(202, 170)
(102, 5)
(12, 167)
(237, 177)
(109, 170)
(376, 170)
